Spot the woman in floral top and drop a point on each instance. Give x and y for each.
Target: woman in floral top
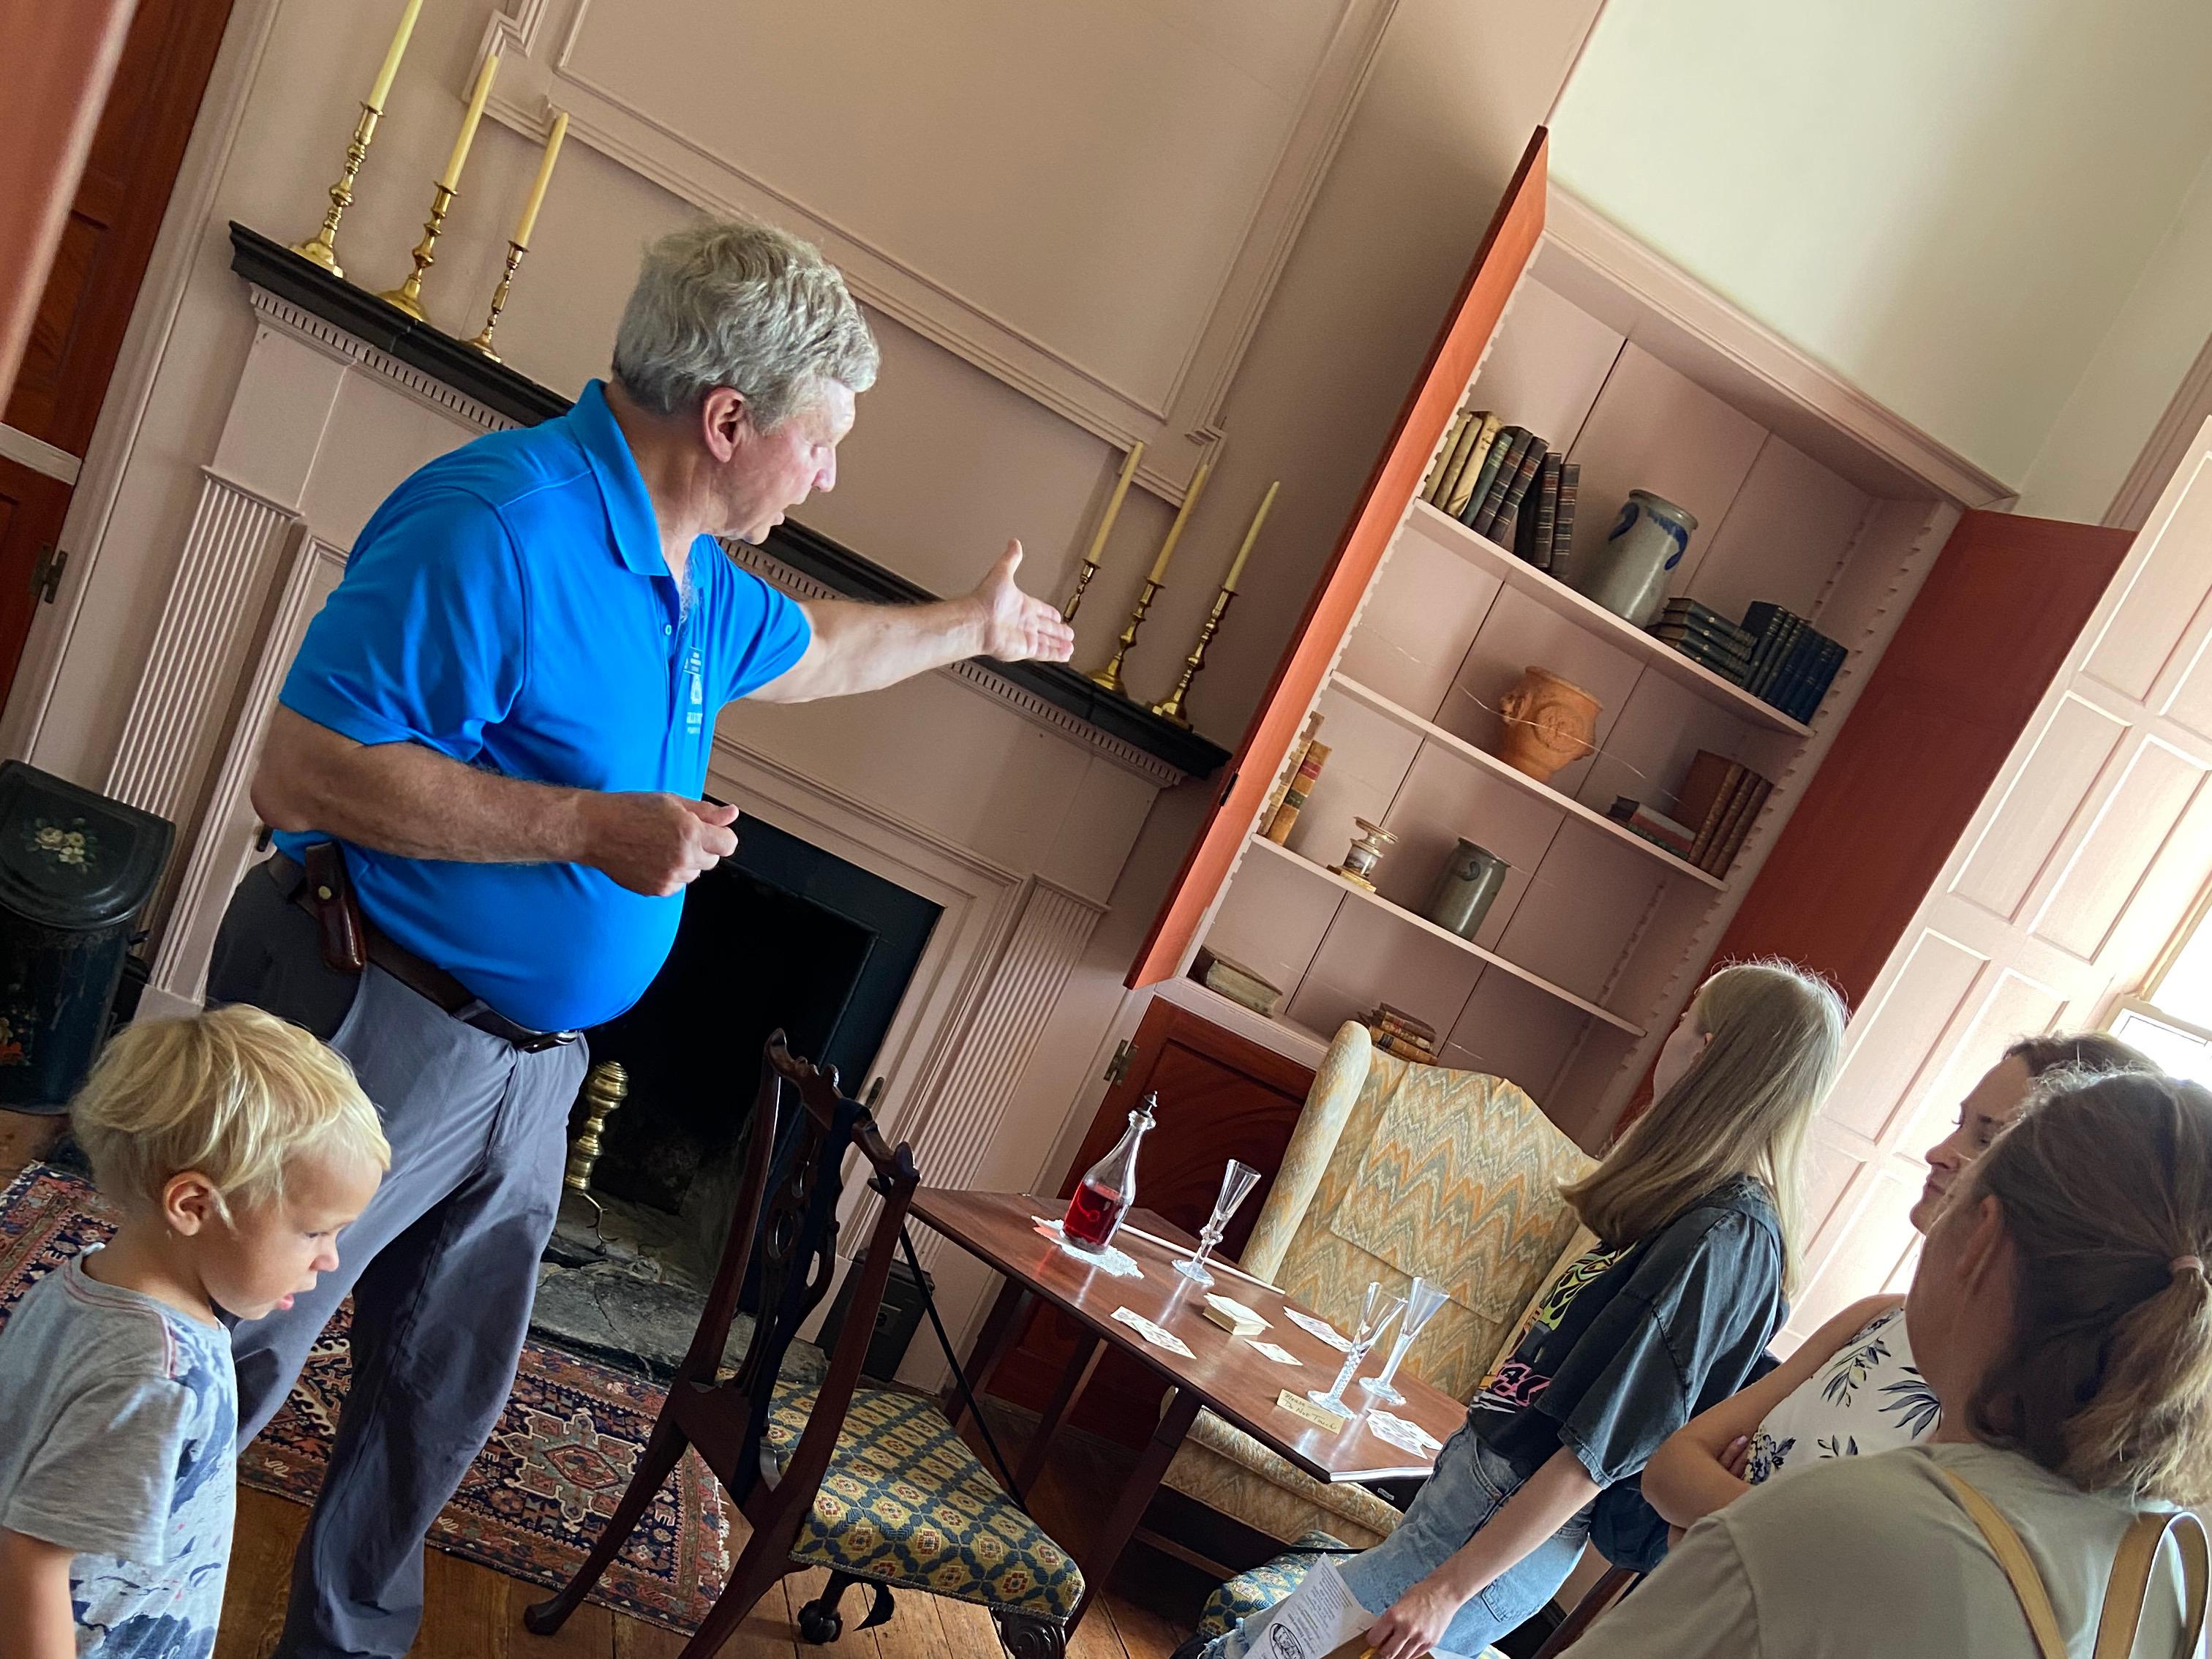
(1852, 1389)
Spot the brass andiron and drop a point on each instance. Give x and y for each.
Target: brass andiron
(605, 1087)
(322, 247)
(1171, 707)
(483, 341)
(1110, 677)
(408, 296)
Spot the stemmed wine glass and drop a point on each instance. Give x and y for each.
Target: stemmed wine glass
(1422, 1301)
(1236, 1181)
(1375, 1317)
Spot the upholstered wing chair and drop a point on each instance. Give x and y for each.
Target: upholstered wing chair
(1394, 1169)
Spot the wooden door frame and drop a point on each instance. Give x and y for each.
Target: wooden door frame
(137, 365)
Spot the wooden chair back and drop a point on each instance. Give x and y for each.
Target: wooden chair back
(804, 1127)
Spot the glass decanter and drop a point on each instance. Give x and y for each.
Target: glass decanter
(1236, 1181)
(1107, 1190)
(1422, 1301)
(1375, 1317)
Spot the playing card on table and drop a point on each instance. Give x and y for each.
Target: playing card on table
(1320, 1328)
(1408, 1437)
(1280, 1356)
(1151, 1332)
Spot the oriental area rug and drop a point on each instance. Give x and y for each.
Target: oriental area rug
(535, 1498)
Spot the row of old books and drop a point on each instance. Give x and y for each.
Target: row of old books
(1773, 653)
(1506, 482)
(1792, 662)
(1718, 804)
(1300, 773)
(1394, 1031)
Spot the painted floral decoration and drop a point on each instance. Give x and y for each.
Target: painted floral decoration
(71, 847)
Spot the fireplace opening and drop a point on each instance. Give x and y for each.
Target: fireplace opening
(782, 935)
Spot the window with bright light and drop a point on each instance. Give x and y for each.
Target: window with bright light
(2171, 1022)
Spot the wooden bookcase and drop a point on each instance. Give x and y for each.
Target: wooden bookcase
(1806, 495)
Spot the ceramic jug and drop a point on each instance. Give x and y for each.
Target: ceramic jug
(1628, 574)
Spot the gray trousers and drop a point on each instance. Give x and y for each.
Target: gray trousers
(441, 1267)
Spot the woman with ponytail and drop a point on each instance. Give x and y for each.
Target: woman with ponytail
(2062, 1314)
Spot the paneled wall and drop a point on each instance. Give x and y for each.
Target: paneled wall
(951, 455)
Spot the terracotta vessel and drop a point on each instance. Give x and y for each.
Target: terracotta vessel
(1549, 724)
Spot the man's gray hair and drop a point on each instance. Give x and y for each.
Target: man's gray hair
(723, 302)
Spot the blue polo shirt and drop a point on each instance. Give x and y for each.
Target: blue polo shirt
(508, 606)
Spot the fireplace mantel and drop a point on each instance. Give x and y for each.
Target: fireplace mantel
(828, 569)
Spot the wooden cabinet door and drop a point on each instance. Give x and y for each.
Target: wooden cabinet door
(85, 303)
(1504, 254)
(1221, 1097)
(2085, 849)
(2007, 599)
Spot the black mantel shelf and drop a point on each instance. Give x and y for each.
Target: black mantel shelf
(273, 266)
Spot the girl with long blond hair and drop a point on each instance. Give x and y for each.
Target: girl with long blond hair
(1696, 1212)
(2062, 1314)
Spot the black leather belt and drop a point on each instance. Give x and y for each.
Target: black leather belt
(427, 980)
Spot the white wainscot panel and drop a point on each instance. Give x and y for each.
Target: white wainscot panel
(1895, 1039)
(2107, 866)
(2040, 802)
(2164, 600)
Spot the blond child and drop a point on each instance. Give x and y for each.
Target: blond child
(235, 1147)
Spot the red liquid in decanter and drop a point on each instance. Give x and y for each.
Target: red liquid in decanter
(1093, 1214)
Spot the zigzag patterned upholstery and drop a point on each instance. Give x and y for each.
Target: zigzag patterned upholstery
(1394, 1169)
(906, 1504)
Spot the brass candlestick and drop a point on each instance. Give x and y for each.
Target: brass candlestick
(605, 1087)
(322, 247)
(1082, 582)
(1110, 677)
(1171, 708)
(408, 296)
(483, 341)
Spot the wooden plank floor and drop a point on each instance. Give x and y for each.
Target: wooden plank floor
(471, 1612)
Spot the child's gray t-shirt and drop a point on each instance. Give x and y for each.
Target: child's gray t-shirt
(122, 1419)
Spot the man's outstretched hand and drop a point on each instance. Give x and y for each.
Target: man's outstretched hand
(1016, 627)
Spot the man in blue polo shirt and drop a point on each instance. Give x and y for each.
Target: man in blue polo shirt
(485, 773)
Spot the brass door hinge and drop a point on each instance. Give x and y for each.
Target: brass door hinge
(46, 573)
(1117, 1069)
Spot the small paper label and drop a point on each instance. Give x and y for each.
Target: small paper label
(1319, 1416)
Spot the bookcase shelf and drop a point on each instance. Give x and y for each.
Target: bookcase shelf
(1452, 743)
(1561, 600)
(1306, 1047)
(1368, 895)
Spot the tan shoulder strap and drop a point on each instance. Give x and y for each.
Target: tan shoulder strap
(2130, 1581)
(2019, 1567)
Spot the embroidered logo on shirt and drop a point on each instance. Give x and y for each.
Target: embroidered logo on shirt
(694, 666)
